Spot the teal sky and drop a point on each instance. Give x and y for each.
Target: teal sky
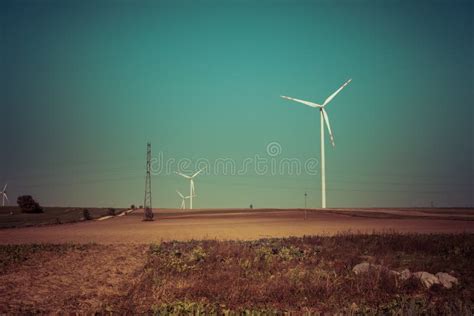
(85, 84)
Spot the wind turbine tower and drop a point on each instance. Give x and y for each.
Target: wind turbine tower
(3, 193)
(191, 185)
(324, 119)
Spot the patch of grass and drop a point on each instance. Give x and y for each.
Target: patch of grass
(276, 276)
(16, 254)
(50, 216)
(308, 274)
(398, 306)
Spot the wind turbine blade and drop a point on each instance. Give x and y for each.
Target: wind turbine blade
(326, 119)
(6, 196)
(311, 104)
(336, 92)
(183, 175)
(5, 187)
(197, 173)
(179, 193)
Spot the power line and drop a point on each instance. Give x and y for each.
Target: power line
(259, 186)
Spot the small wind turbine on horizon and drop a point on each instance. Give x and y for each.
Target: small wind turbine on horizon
(183, 199)
(324, 119)
(191, 185)
(4, 194)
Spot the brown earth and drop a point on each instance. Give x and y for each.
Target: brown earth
(311, 274)
(243, 224)
(114, 275)
(77, 279)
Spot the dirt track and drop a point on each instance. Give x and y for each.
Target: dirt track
(240, 224)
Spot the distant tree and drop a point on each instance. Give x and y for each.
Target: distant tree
(141, 206)
(132, 206)
(28, 205)
(111, 212)
(86, 214)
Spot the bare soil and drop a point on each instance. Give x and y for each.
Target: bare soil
(82, 279)
(243, 224)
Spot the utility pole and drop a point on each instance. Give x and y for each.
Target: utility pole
(148, 211)
(305, 209)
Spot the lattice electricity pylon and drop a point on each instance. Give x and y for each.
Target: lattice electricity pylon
(148, 213)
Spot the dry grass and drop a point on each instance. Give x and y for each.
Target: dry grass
(305, 274)
(309, 274)
(50, 216)
(66, 278)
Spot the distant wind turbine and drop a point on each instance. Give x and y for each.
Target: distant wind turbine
(324, 118)
(183, 199)
(191, 185)
(4, 194)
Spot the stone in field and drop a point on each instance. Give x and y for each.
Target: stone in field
(365, 267)
(446, 279)
(405, 275)
(361, 268)
(427, 279)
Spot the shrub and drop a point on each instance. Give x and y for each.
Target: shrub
(28, 205)
(132, 206)
(86, 214)
(111, 212)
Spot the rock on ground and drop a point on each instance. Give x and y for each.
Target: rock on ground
(446, 279)
(365, 267)
(360, 268)
(427, 279)
(405, 275)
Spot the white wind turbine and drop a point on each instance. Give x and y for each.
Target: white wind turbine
(4, 194)
(183, 199)
(191, 186)
(324, 118)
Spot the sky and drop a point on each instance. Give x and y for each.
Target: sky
(86, 84)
